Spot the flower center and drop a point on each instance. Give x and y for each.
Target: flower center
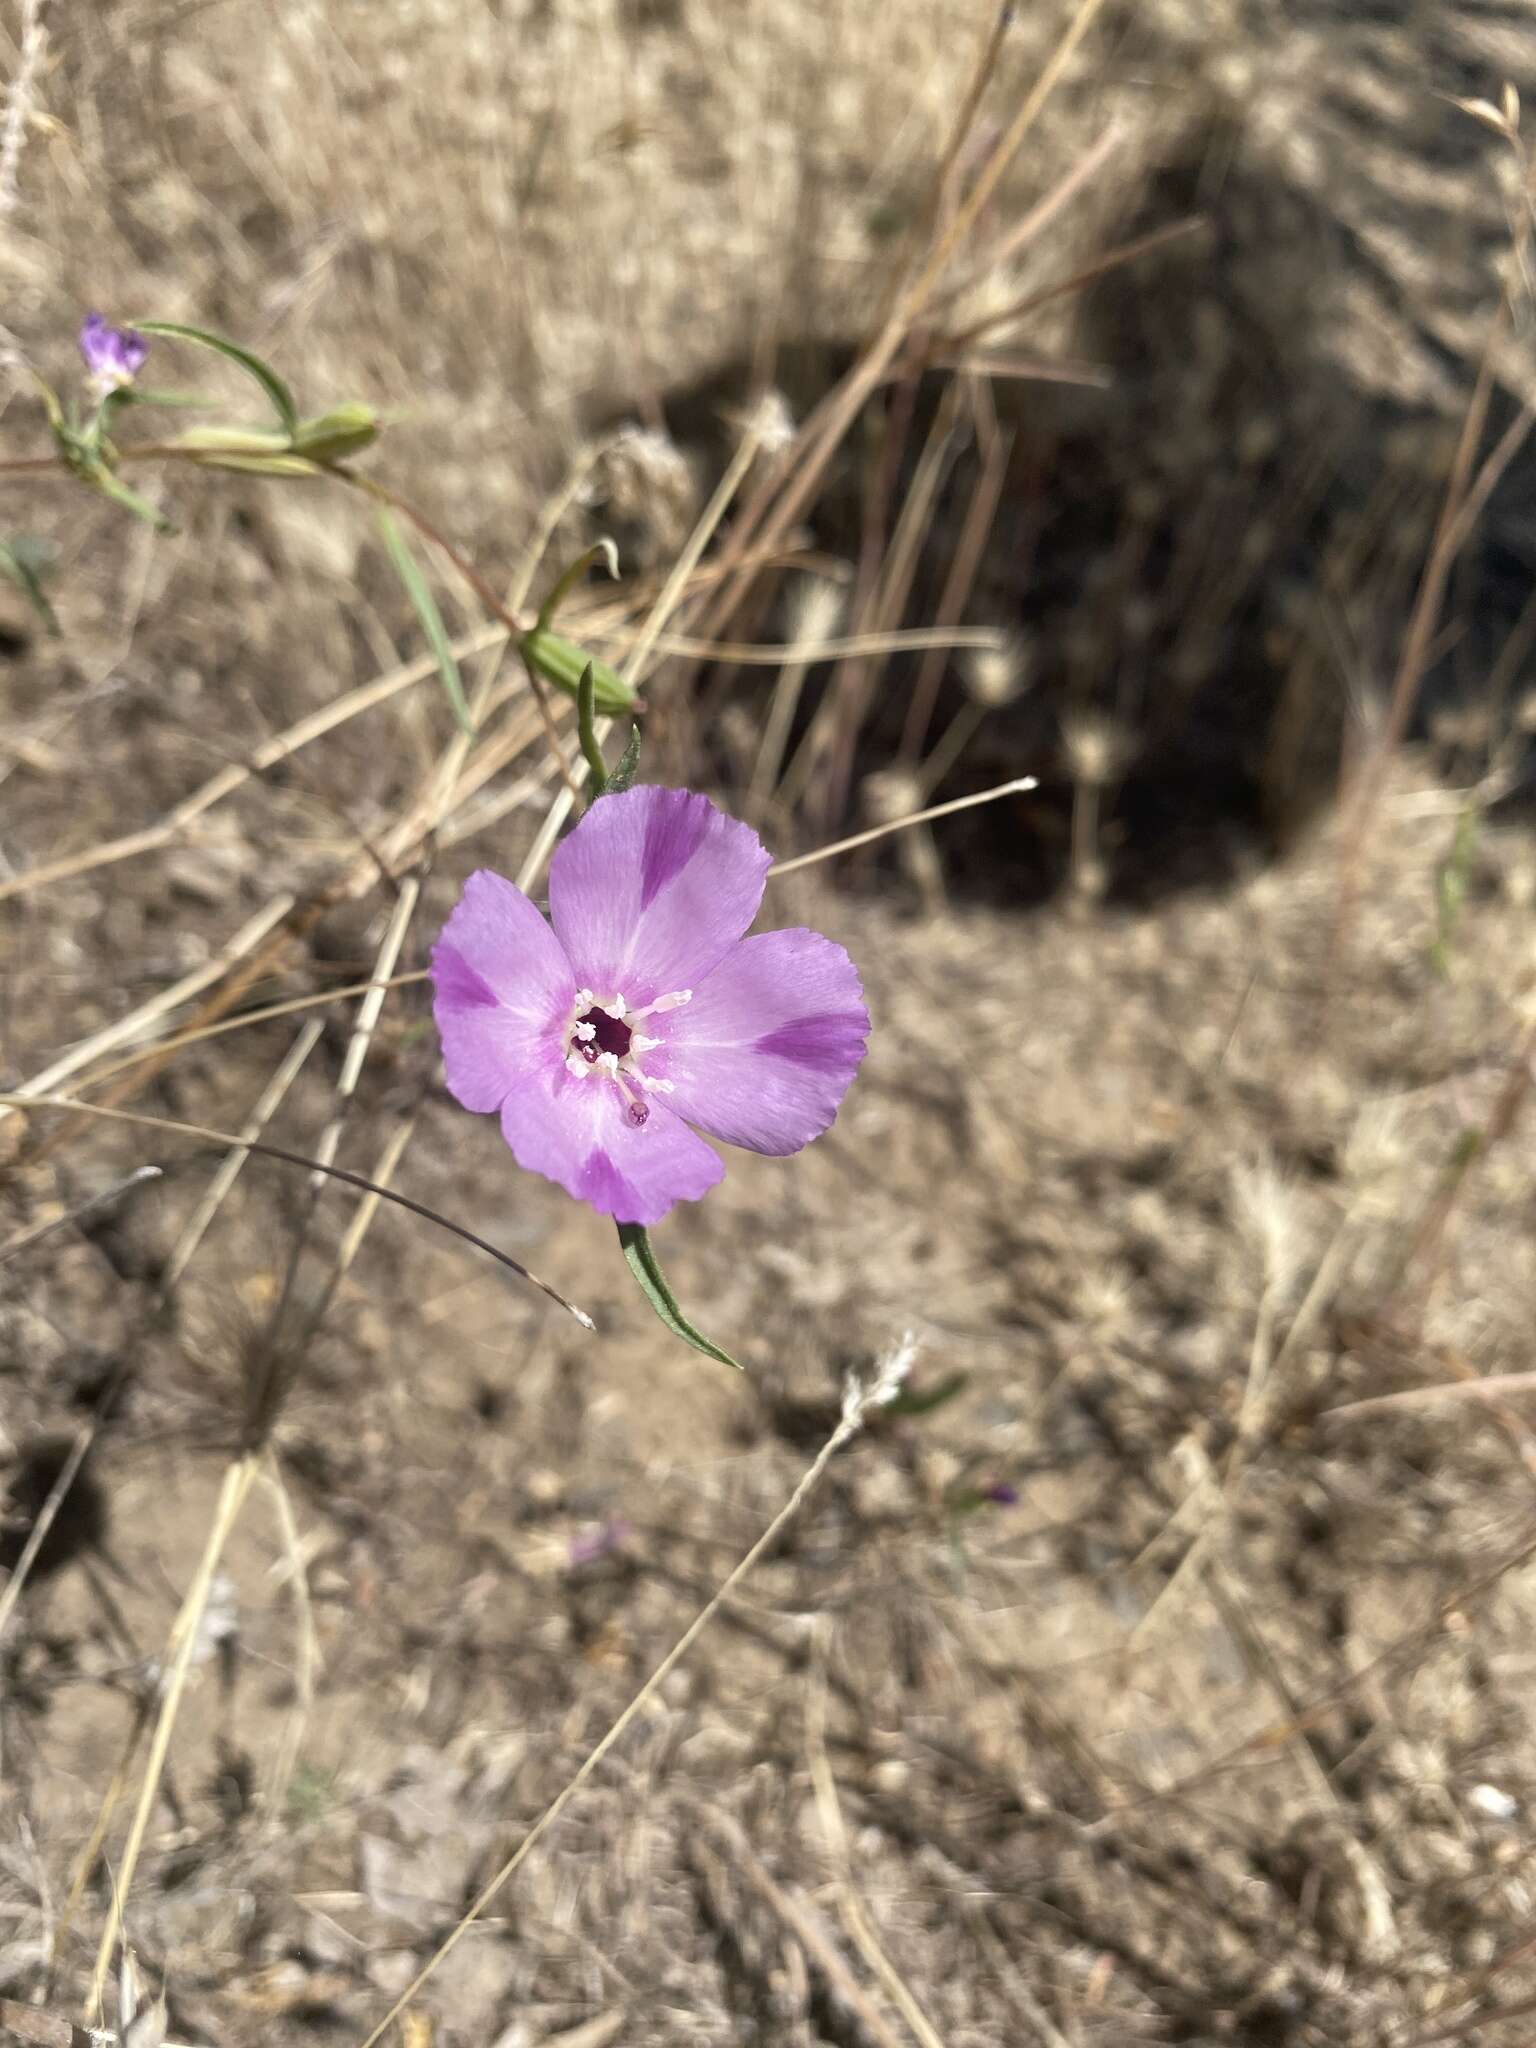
(609, 1034)
(601, 1039)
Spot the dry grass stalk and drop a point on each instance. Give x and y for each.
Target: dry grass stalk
(267, 1104)
(1018, 787)
(178, 822)
(980, 512)
(238, 1480)
(858, 1400)
(237, 949)
(829, 1809)
(285, 1755)
(805, 1926)
(791, 484)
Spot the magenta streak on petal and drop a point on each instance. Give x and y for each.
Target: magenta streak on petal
(674, 832)
(817, 1041)
(603, 1184)
(457, 983)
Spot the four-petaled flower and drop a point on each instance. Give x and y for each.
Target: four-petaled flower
(113, 355)
(644, 1009)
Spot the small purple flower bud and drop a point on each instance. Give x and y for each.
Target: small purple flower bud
(1001, 1494)
(114, 356)
(603, 1540)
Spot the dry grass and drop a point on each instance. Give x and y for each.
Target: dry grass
(1167, 1682)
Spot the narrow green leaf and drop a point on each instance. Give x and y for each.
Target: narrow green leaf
(100, 478)
(636, 1244)
(560, 662)
(18, 563)
(415, 585)
(597, 781)
(624, 770)
(183, 401)
(277, 391)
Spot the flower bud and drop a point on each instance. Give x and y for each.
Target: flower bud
(344, 430)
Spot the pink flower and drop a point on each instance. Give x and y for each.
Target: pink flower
(642, 1009)
(114, 356)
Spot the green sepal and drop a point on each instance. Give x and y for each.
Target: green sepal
(625, 769)
(425, 604)
(636, 1245)
(278, 394)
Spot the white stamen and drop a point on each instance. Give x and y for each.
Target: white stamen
(576, 1065)
(585, 999)
(675, 1001)
(615, 1008)
(639, 1043)
(586, 1032)
(609, 1062)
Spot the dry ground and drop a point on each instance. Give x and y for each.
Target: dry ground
(1217, 1731)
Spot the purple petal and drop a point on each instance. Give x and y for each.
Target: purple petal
(652, 889)
(113, 355)
(503, 991)
(574, 1129)
(764, 1053)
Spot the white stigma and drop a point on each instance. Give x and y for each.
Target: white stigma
(675, 1001)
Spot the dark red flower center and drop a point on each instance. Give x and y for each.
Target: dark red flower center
(609, 1034)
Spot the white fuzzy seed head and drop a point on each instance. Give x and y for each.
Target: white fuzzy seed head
(994, 676)
(888, 794)
(890, 1376)
(771, 422)
(1095, 744)
(815, 612)
(1265, 1210)
(1378, 1155)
